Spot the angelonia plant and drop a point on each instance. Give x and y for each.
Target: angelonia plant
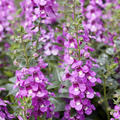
(60, 60)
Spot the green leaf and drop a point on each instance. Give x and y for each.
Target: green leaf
(56, 84)
(8, 73)
(62, 95)
(58, 44)
(18, 11)
(13, 79)
(12, 91)
(59, 104)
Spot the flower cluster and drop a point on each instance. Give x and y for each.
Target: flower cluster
(4, 114)
(116, 113)
(36, 15)
(7, 9)
(43, 11)
(32, 83)
(93, 15)
(48, 39)
(82, 77)
(94, 21)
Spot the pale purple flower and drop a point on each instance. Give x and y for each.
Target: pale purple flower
(4, 114)
(7, 11)
(116, 113)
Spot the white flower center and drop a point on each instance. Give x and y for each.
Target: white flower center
(88, 93)
(89, 77)
(39, 93)
(42, 12)
(93, 14)
(78, 103)
(9, 6)
(72, 45)
(80, 73)
(42, 106)
(37, 79)
(71, 58)
(30, 91)
(76, 89)
(86, 108)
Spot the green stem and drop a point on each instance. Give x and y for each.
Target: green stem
(74, 12)
(65, 9)
(37, 45)
(25, 109)
(24, 115)
(105, 97)
(27, 65)
(77, 41)
(25, 52)
(76, 27)
(38, 39)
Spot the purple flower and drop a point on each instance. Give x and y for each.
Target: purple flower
(76, 103)
(2, 89)
(35, 9)
(80, 74)
(116, 113)
(32, 83)
(4, 114)
(7, 9)
(74, 89)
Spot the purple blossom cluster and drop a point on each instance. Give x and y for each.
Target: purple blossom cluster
(33, 10)
(68, 117)
(116, 113)
(32, 83)
(44, 12)
(94, 21)
(109, 16)
(48, 39)
(4, 114)
(93, 15)
(7, 10)
(82, 77)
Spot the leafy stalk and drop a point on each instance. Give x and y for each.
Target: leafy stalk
(106, 99)
(25, 52)
(76, 27)
(37, 43)
(24, 112)
(27, 65)
(105, 95)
